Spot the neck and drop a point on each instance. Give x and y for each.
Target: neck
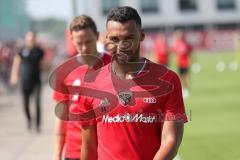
(127, 70)
(29, 47)
(89, 60)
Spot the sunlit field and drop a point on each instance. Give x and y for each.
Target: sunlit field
(214, 102)
(213, 108)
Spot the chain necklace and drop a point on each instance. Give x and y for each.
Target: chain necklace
(129, 75)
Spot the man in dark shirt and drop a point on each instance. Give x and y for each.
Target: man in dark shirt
(28, 61)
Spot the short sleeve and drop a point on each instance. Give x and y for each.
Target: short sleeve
(174, 109)
(85, 106)
(57, 96)
(59, 85)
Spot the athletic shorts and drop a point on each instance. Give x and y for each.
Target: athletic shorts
(183, 71)
(71, 159)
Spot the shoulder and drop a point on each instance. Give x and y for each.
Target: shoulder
(106, 58)
(39, 50)
(162, 70)
(162, 75)
(103, 72)
(76, 75)
(156, 70)
(99, 77)
(173, 79)
(21, 50)
(166, 74)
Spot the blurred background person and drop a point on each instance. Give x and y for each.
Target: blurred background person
(161, 50)
(237, 49)
(6, 56)
(27, 66)
(183, 50)
(67, 134)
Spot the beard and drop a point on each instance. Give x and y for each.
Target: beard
(126, 57)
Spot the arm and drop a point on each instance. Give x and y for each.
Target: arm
(172, 132)
(59, 137)
(43, 63)
(15, 70)
(89, 143)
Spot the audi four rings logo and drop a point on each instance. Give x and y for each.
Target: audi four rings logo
(149, 100)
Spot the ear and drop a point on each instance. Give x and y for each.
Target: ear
(142, 35)
(71, 36)
(71, 39)
(97, 35)
(106, 35)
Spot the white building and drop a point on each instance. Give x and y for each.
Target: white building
(169, 14)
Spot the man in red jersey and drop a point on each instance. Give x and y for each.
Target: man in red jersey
(147, 120)
(84, 36)
(161, 50)
(183, 52)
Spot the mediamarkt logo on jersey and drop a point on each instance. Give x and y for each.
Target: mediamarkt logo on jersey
(129, 118)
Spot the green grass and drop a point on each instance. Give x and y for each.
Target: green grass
(214, 132)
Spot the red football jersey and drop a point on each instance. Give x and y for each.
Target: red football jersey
(161, 51)
(73, 137)
(182, 50)
(132, 129)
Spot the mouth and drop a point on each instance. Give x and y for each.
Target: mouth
(121, 57)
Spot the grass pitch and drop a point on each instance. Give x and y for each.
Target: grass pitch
(214, 102)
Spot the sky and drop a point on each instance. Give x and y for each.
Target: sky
(49, 8)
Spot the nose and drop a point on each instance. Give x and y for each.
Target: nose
(84, 48)
(125, 45)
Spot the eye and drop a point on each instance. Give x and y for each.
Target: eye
(114, 39)
(130, 38)
(88, 42)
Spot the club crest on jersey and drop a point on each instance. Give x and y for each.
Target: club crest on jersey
(125, 97)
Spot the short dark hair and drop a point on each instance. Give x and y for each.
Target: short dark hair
(123, 14)
(83, 22)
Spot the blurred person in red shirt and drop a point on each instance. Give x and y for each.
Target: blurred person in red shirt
(84, 35)
(6, 54)
(161, 50)
(183, 50)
